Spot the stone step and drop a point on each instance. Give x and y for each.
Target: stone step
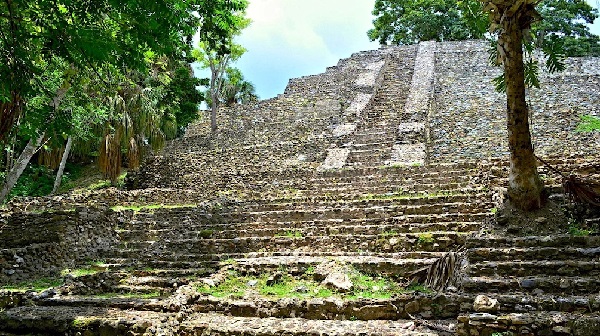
(199, 224)
(523, 302)
(530, 323)
(410, 189)
(380, 144)
(434, 241)
(376, 170)
(535, 241)
(343, 213)
(368, 156)
(397, 174)
(174, 274)
(533, 268)
(564, 285)
(87, 320)
(363, 209)
(127, 258)
(295, 265)
(476, 255)
(400, 306)
(221, 324)
(391, 267)
(153, 281)
(368, 201)
(305, 229)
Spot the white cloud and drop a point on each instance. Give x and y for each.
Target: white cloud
(595, 28)
(291, 38)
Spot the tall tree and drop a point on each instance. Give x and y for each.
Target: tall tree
(90, 34)
(510, 20)
(235, 89)
(217, 57)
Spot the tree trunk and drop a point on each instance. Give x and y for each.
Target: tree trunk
(214, 96)
(20, 165)
(525, 189)
(61, 167)
(213, 115)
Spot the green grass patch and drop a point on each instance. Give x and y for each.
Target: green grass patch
(37, 285)
(373, 287)
(102, 184)
(577, 231)
(389, 234)
(233, 286)
(146, 207)
(79, 272)
(82, 322)
(304, 287)
(290, 234)
(425, 238)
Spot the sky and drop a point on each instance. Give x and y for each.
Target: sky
(294, 38)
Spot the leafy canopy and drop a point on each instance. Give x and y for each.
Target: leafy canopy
(93, 33)
(411, 21)
(565, 23)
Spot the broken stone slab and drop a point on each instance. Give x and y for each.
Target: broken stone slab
(486, 304)
(338, 281)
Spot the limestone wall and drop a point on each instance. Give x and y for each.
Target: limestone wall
(468, 116)
(43, 244)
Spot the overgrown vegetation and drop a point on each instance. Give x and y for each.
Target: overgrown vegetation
(37, 285)
(290, 234)
(305, 287)
(114, 81)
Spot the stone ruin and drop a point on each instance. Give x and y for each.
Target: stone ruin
(388, 166)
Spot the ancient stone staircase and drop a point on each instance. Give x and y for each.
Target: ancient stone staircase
(375, 136)
(221, 223)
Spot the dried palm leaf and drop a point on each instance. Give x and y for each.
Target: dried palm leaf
(577, 189)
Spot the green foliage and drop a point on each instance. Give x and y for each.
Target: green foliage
(568, 22)
(79, 272)
(407, 22)
(206, 233)
(35, 181)
(412, 21)
(555, 50)
(183, 95)
(235, 89)
(103, 184)
(588, 124)
(576, 231)
(425, 238)
(82, 322)
(217, 56)
(37, 285)
(290, 234)
(63, 67)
